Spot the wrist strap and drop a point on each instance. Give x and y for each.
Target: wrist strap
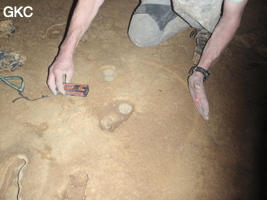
(203, 71)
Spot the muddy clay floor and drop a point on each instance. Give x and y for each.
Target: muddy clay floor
(55, 148)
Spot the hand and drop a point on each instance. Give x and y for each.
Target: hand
(61, 66)
(198, 94)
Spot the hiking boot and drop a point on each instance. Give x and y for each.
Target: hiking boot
(11, 59)
(202, 36)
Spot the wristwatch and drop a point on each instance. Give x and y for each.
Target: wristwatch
(203, 71)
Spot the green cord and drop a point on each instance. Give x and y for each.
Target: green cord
(5, 80)
(19, 89)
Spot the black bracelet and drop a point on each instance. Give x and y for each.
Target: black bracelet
(203, 71)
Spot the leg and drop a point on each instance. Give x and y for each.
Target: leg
(153, 22)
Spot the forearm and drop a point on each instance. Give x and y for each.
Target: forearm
(83, 15)
(223, 33)
(220, 38)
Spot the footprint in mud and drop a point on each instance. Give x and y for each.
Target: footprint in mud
(76, 187)
(10, 177)
(106, 73)
(113, 115)
(55, 31)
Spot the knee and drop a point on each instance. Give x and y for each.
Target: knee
(144, 31)
(143, 40)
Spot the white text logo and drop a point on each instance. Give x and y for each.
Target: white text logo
(17, 12)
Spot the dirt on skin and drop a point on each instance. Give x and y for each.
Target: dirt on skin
(58, 148)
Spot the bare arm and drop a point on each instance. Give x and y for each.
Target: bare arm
(222, 35)
(83, 15)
